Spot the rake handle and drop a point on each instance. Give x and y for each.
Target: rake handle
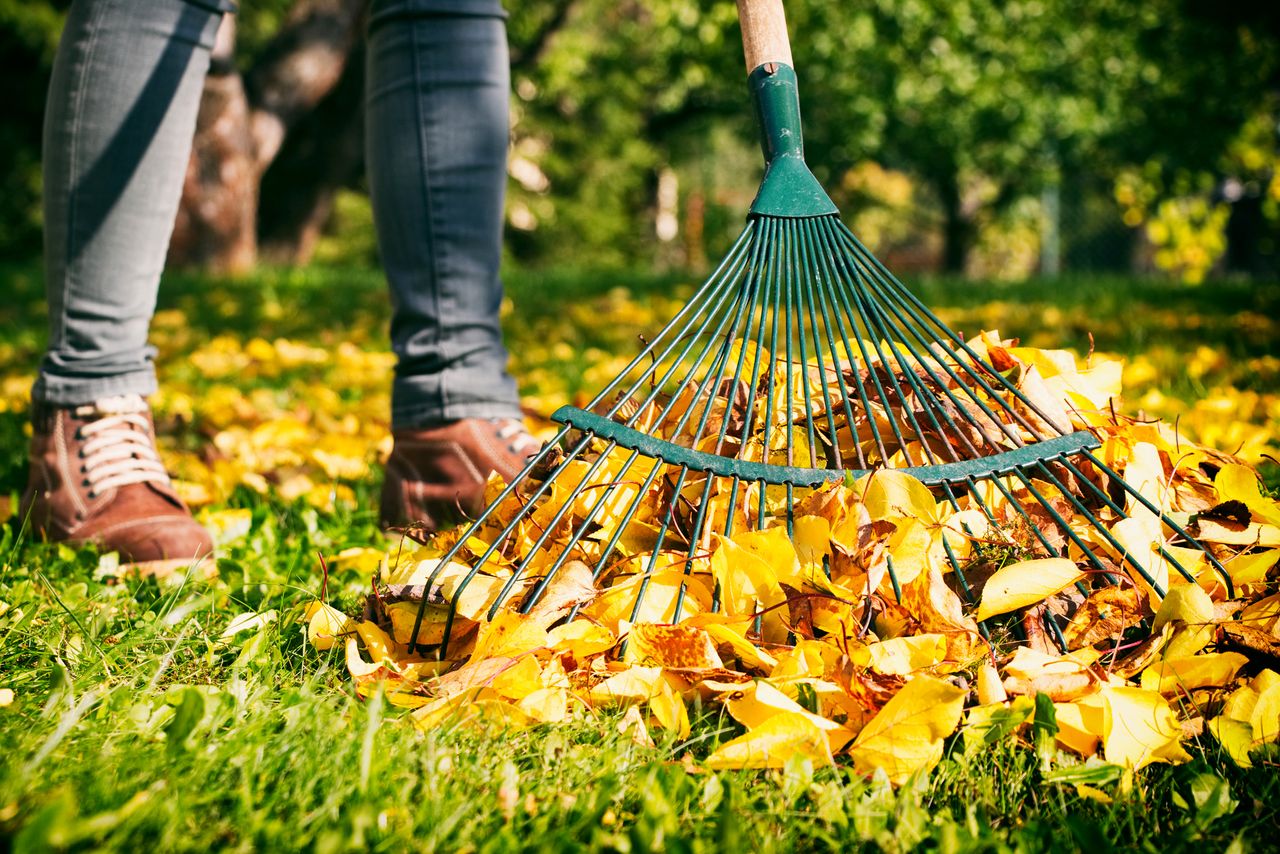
(764, 33)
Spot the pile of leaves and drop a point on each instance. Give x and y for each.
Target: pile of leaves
(869, 626)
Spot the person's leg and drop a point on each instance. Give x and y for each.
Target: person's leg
(118, 129)
(437, 129)
(117, 136)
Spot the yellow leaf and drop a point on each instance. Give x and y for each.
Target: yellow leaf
(248, 621)
(671, 646)
(1139, 728)
(1026, 583)
(1141, 537)
(227, 526)
(773, 548)
(670, 711)
(722, 632)
(1093, 793)
(990, 690)
(662, 594)
(376, 642)
(580, 638)
(1080, 724)
(906, 735)
(1144, 471)
(890, 495)
(518, 680)
(902, 656)
(771, 744)
(1191, 611)
(755, 704)
(748, 585)
(1252, 568)
(404, 615)
(1171, 675)
(812, 538)
(1236, 738)
(808, 659)
(325, 624)
(546, 705)
(1265, 718)
(358, 559)
(1235, 482)
(508, 634)
(635, 684)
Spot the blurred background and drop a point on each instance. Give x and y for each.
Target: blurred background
(994, 139)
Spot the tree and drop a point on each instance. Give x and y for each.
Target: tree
(244, 124)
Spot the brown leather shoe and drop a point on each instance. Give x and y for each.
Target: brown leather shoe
(436, 476)
(96, 477)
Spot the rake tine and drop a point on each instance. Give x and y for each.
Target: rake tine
(823, 274)
(806, 253)
(1177, 529)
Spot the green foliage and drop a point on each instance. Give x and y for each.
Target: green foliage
(980, 101)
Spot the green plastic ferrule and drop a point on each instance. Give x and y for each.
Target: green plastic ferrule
(789, 188)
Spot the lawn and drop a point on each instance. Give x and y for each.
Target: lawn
(141, 716)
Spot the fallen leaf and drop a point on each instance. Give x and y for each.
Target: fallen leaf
(1139, 728)
(773, 744)
(906, 735)
(1026, 583)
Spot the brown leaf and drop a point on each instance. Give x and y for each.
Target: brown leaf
(686, 647)
(1033, 626)
(1104, 616)
(1256, 641)
(1135, 662)
(1061, 687)
(572, 587)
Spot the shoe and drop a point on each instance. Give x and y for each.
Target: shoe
(96, 477)
(436, 476)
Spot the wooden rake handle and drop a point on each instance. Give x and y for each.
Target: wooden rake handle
(764, 33)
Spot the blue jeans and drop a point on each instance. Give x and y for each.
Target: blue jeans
(121, 114)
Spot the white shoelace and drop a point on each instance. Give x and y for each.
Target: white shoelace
(518, 439)
(118, 449)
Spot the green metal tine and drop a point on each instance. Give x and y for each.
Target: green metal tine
(913, 330)
(872, 314)
(831, 292)
(848, 278)
(822, 273)
(803, 237)
(797, 296)
(1142, 499)
(917, 308)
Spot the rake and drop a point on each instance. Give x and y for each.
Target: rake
(801, 361)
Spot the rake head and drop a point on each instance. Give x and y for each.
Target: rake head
(800, 364)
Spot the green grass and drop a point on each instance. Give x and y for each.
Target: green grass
(136, 724)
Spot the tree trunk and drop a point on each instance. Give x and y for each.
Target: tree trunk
(957, 228)
(324, 153)
(215, 224)
(244, 124)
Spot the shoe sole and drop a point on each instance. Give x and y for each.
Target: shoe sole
(160, 569)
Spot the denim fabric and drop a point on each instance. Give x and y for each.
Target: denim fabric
(121, 113)
(122, 108)
(436, 144)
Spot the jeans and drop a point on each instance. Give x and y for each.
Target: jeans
(118, 130)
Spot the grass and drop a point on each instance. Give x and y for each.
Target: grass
(137, 722)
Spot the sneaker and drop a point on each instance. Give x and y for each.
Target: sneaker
(96, 477)
(436, 476)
